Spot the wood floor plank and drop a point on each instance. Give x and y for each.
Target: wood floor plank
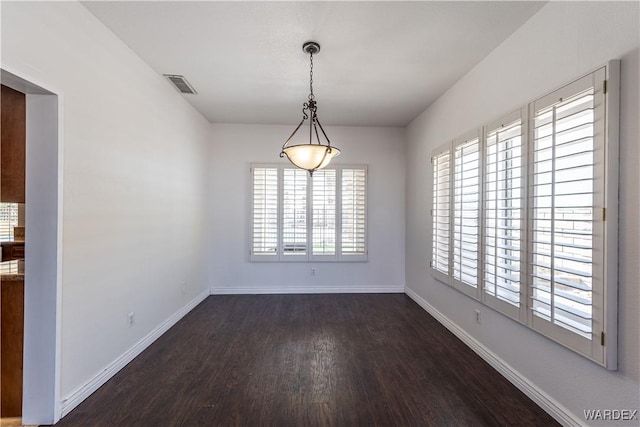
(308, 360)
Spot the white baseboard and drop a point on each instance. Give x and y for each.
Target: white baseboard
(546, 402)
(248, 290)
(74, 398)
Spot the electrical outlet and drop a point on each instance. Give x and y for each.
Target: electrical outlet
(131, 318)
(478, 318)
(313, 271)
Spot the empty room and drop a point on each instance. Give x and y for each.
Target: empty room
(320, 213)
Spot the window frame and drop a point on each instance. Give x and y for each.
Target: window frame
(279, 255)
(601, 348)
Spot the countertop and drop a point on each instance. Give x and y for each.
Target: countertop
(12, 271)
(12, 243)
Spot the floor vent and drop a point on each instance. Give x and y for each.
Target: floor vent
(181, 83)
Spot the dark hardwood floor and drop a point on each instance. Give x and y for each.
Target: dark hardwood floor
(308, 360)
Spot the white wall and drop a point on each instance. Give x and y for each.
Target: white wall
(563, 41)
(235, 147)
(134, 183)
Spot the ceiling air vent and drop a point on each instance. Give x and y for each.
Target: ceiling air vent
(181, 83)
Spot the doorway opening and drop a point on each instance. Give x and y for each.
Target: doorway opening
(41, 259)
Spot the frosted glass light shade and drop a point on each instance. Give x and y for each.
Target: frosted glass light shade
(311, 156)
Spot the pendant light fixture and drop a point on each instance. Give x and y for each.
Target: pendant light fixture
(311, 156)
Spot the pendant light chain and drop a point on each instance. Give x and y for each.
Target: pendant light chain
(311, 96)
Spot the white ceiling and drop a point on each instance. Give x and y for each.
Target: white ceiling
(381, 63)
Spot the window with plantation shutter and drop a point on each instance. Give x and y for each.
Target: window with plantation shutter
(567, 189)
(295, 217)
(8, 220)
(562, 213)
(466, 213)
(264, 213)
(294, 212)
(526, 222)
(441, 211)
(504, 213)
(353, 218)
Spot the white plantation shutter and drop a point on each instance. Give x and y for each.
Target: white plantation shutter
(566, 198)
(294, 212)
(295, 217)
(504, 187)
(524, 217)
(264, 213)
(466, 214)
(441, 211)
(353, 212)
(323, 206)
